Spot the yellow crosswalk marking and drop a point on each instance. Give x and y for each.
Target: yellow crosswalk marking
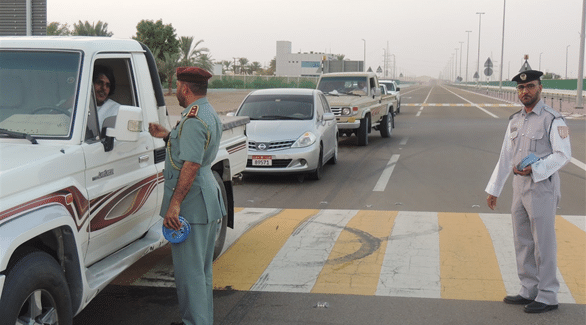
(572, 257)
(354, 264)
(245, 261)
(468, 265)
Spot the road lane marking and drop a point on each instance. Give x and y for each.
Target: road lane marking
(411, 267)
(404, 141)
(411, 264)
(297, 264)
(475, 105)
(354, 265)
(383, 180)
(578, 163)
(245, 261)
(469, 268)
(572, 258)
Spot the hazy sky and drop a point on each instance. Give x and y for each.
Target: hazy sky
(422, 34)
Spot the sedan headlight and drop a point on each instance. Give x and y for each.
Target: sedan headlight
(346, 111)
(307, 139)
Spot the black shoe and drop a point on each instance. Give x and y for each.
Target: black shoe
(517, 300)
(539, 307)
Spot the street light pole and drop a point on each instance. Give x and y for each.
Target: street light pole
(456, 65)
(540, 61)
(394, 65)
(579, 103)
(364, 60)
(479, 25)
(461, 58)
(502, 47)
(567, 61)
(467, 52)
(385, 61)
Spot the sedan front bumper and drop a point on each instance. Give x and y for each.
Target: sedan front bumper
(290, 160)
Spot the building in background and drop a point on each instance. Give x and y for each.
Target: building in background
(23, 17)
(310, 64)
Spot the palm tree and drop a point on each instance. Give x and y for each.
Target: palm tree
(97, 29)
(56, 29)
(340, 57)
(167, 67)
(255, 66)
(204, 61)
(189, 56)
(243, 64)
(227, 67)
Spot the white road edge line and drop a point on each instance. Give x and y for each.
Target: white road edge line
(404, 141)
(386, 174)
(482, 109)
(578, 163)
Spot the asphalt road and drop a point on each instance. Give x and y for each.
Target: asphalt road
(437, 163)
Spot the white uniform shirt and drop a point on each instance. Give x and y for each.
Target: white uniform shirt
(512, 151)
(109, 108)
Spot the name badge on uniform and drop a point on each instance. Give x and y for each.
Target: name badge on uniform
(564, 131)
(514, 132)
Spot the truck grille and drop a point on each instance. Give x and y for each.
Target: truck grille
(336, 110)
(275, 145)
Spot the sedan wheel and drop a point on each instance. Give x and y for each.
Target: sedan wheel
(318, 172)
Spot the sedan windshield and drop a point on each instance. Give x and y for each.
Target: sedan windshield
(277, 107)
(37, 92)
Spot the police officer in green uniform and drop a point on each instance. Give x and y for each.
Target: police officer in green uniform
(192, 192)
(539, 130)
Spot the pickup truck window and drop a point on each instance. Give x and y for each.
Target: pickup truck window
(344, 85)
(277, 107)
(39, 91)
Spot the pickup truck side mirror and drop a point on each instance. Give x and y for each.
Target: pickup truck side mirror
(376, 92)
(128, 124)
(398, 89)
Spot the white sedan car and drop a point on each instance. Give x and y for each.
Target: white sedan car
(393, 89)
(290, 131)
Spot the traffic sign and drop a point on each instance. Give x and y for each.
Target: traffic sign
(379, 70)
(476, 76)
(488, 63)
(488, 72)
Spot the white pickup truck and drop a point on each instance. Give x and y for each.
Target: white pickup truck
(78, 205)
(356, 100)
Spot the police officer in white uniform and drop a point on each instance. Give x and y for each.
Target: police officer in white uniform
(540, 130)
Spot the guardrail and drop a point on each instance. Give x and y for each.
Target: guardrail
(560, 100)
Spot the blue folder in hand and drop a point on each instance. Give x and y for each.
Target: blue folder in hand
(177, 236)
(530, 159)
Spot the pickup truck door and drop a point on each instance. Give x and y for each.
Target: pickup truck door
(121, 183)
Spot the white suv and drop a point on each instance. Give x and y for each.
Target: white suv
(393, 89)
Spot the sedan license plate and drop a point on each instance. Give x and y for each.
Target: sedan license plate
(262, 160)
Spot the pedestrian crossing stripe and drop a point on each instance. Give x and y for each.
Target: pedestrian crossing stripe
(467, 256)
(460, 105)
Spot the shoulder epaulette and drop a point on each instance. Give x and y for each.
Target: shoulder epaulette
(517, 112)
(553, 112)
(193, 111)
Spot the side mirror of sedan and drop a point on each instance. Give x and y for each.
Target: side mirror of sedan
(329, 116)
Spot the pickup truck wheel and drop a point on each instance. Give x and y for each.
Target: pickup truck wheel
(318, 172)
(386, 125)
(222, 223)
(36, 292)
(363, 131)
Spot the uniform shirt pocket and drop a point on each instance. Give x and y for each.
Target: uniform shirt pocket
(537, 142)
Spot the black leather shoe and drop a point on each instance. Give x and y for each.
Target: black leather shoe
(539, 307)
(517, 300)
